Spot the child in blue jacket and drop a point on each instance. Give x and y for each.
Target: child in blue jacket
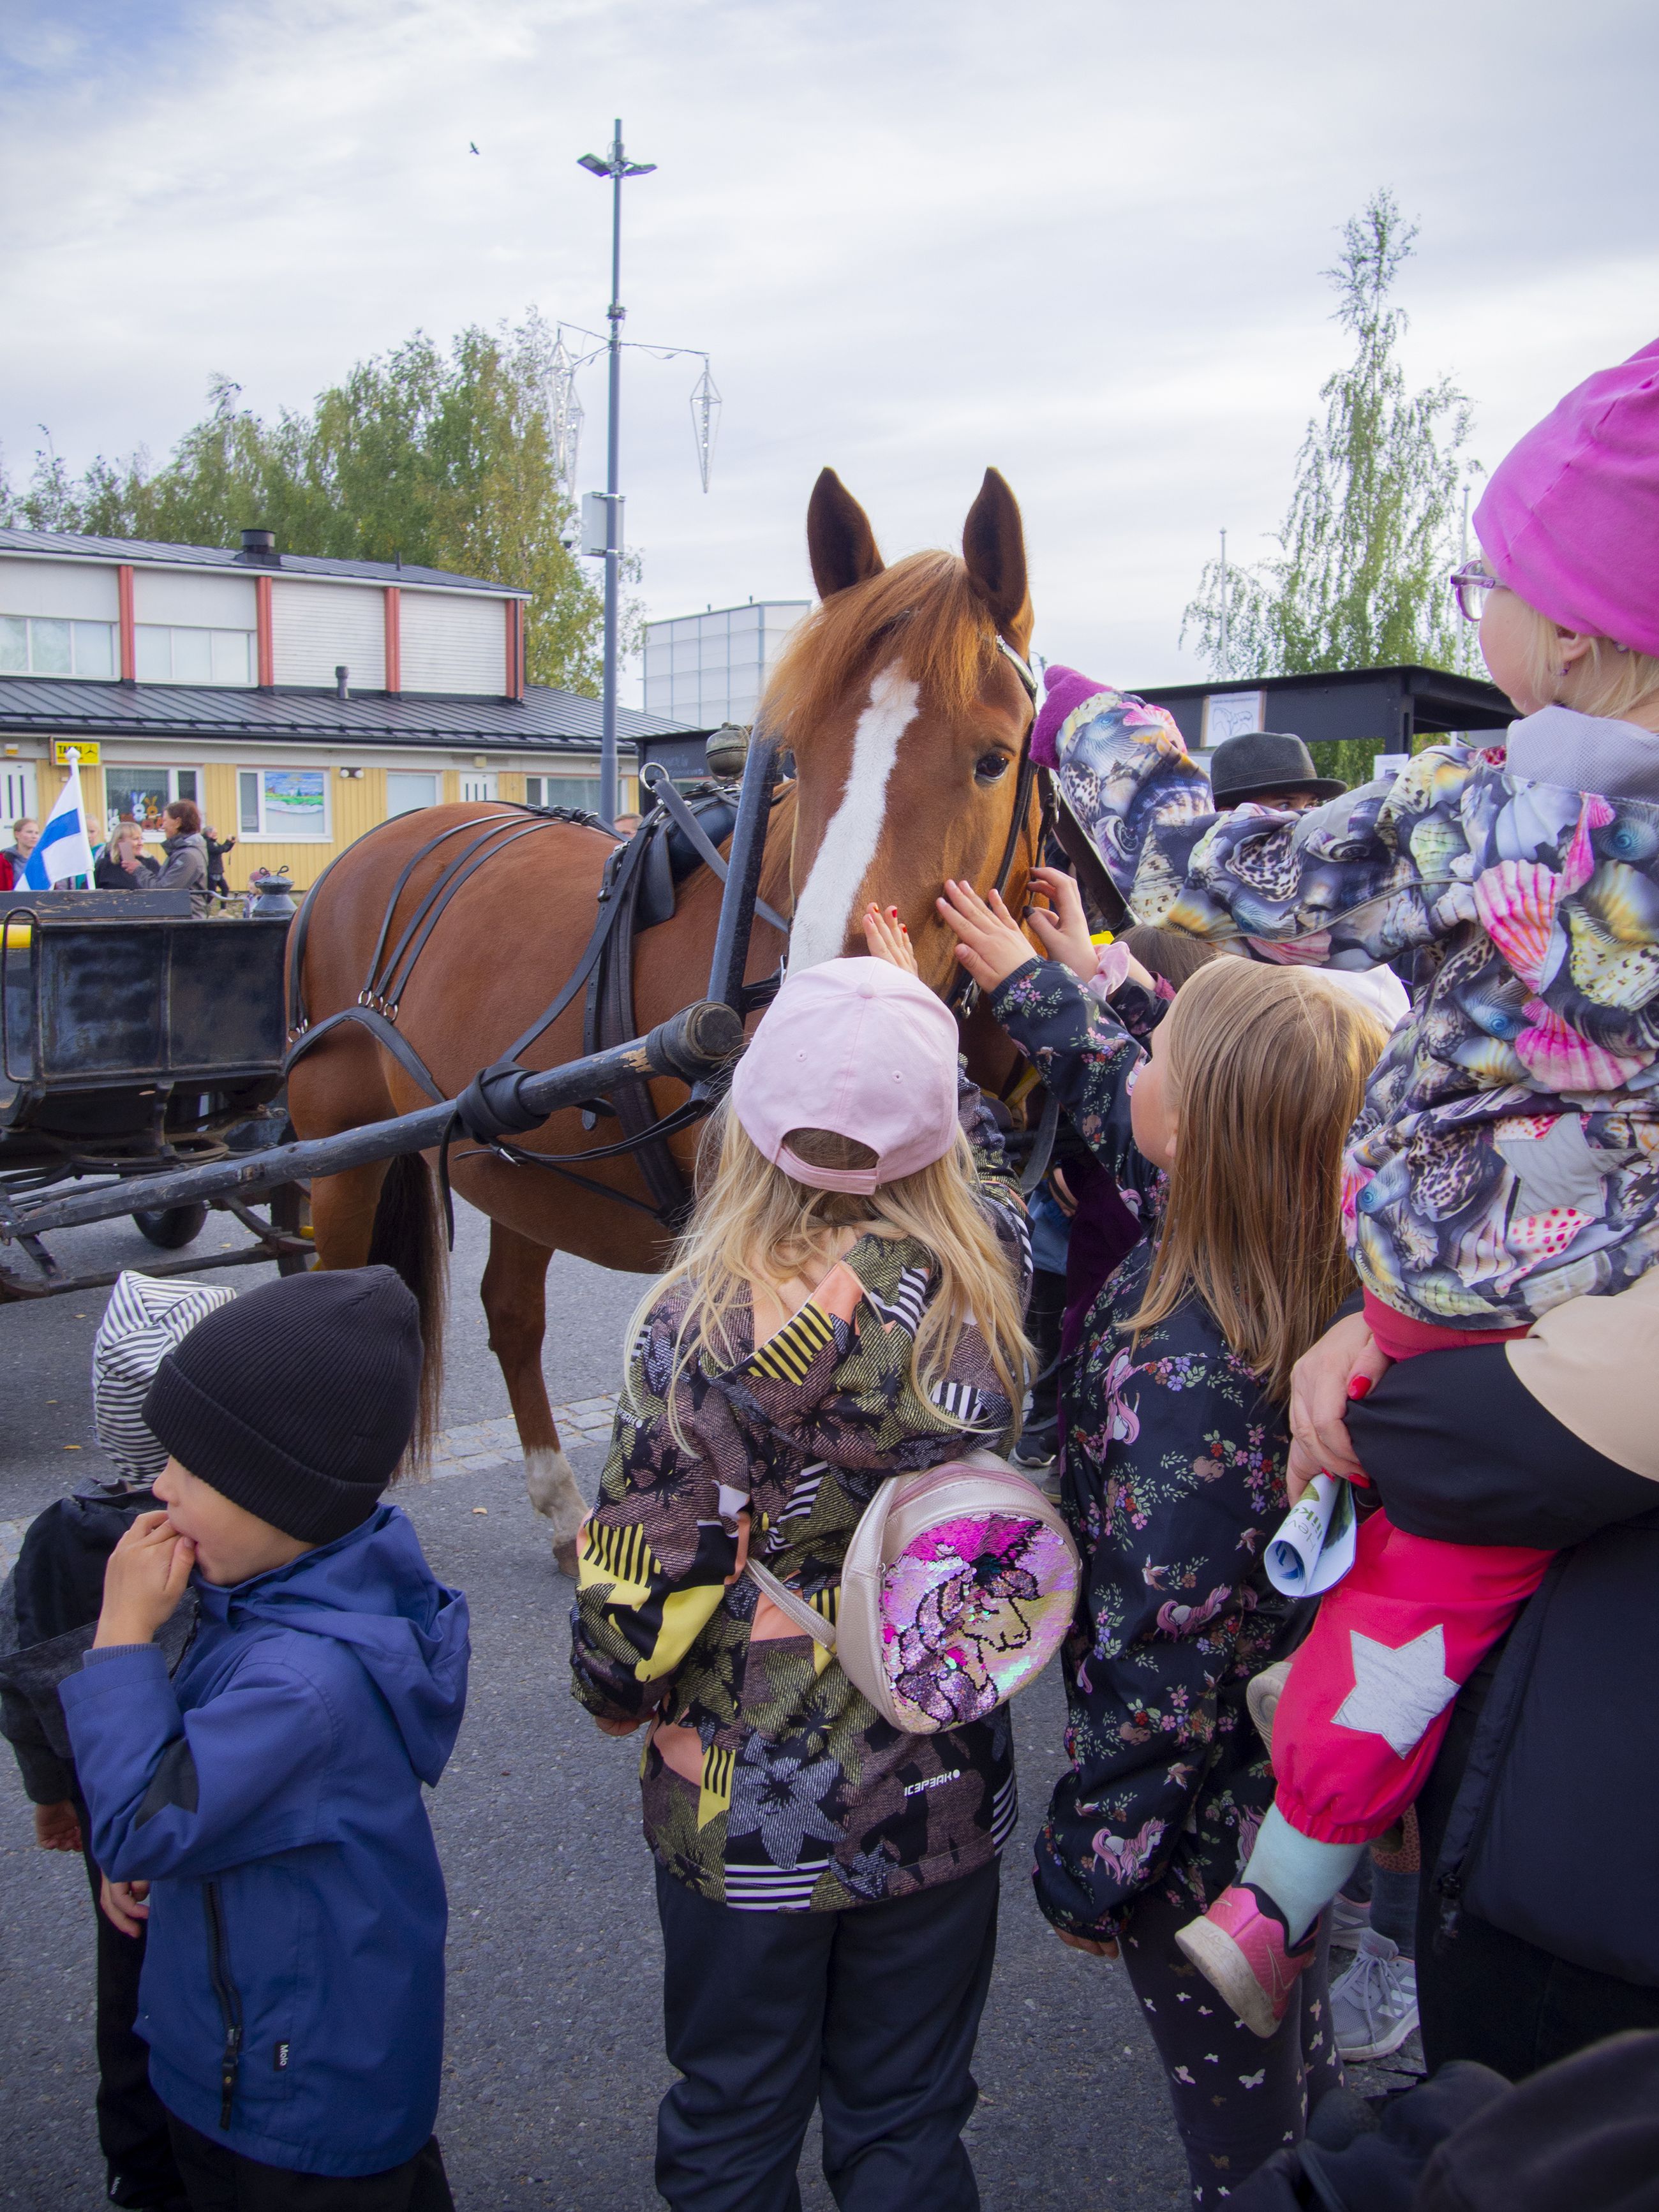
(267, 1800)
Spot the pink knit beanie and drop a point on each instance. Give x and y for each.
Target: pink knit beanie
(1571, 519)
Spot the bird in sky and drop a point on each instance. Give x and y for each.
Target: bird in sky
(470, 148)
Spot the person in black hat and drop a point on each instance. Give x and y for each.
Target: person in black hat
(263, 1806)
(1269, 767)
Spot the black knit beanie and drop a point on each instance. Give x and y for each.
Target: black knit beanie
(297, 1400)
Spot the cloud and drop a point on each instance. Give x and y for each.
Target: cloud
(1082, 241)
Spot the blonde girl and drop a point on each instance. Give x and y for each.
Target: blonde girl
(846, 1303)
(1231, 1127)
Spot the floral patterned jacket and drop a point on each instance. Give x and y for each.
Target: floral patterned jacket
(1173, 1479)
(770, 1783)
(1507, 1157)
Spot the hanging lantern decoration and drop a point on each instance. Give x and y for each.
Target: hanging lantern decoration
(564, 412)
(705, 422)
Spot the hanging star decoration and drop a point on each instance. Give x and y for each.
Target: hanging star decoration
(1397, 1692)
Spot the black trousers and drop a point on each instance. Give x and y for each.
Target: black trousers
(1237, 2097)
(132, 2124)
(871, 2013)
(1483, 1993)
(220, 2180)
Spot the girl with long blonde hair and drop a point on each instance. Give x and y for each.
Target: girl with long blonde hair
(1175, 1423)
(846, 1304)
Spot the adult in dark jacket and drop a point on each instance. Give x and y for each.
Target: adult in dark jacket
(1537, 1936)
(185, 868)
(216, 847)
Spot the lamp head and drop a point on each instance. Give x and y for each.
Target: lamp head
(600, 167)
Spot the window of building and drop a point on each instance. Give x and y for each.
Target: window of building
(285, 804)
(406, 790)
(582, 791)
(143, 794)
(177, 655)
(42, 645)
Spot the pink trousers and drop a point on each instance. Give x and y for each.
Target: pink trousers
(1371, 1693)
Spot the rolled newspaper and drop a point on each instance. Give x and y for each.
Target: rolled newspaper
(1314, 1544)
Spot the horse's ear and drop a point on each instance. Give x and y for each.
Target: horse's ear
(839, 542)
(994, 547)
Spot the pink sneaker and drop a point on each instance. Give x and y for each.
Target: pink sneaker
(1240, 1949)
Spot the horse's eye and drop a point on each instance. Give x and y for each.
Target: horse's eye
(989, 766)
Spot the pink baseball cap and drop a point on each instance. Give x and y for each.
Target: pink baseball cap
(860, 1047)
(1571, 519)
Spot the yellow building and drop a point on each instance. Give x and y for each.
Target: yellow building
(297, 701)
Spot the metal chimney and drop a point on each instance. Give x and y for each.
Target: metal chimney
(259, 549)
(342, 682)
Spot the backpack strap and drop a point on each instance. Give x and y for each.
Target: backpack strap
(794, 1605)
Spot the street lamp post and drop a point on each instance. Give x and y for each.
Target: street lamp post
(615, 165)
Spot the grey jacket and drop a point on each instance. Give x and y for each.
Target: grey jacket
(185, 870)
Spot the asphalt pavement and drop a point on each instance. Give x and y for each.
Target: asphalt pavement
(554, 2063)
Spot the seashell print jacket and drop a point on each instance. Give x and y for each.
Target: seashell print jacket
(1507, 1157)
(769, 1783)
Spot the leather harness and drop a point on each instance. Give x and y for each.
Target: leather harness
(636, 891)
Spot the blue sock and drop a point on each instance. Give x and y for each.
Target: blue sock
(1300, 1875)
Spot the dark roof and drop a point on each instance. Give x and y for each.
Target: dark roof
(69, 544)
(60, 707)
(1343, 703)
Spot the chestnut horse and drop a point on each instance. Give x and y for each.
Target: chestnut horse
(906, 723)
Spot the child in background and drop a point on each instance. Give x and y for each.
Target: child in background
(1504, 1162)
(48, 1608)
(845, 1306)
(264, 1806)
(1230, 1129)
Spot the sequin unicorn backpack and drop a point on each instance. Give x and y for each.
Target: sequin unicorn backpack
(957, 1588)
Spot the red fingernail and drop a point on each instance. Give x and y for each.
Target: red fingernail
(1359, 1385)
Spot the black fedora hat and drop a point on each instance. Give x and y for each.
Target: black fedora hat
(1264, 761)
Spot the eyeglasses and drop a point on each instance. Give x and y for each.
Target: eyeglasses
(1469, 587)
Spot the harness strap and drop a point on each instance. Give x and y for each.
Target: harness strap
(409, 866)
(656, 778)
(383, 1033)
(393, 980)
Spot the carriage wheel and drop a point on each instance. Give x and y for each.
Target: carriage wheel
(290, 1211)
(172, 1226)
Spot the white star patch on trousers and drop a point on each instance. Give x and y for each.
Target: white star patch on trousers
(1396, 1693)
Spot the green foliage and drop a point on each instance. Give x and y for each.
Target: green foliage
(1359, 579)
(443, 460)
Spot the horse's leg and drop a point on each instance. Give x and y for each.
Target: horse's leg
(343, 1214)
(514, 1293)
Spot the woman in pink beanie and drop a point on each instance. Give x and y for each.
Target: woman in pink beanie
(1504, 1161)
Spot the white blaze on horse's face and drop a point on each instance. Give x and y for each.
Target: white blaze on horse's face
(825, 907)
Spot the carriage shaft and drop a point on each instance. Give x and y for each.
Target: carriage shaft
(691, 1044)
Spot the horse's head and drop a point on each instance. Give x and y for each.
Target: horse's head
(907, 722)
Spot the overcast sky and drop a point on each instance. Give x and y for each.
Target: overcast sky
(1080, 239)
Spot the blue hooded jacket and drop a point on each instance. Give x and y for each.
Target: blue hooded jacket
(293, 1987)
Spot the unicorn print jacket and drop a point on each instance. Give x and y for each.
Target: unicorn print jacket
(769, 1783)
(1173, 1479)
(1507, 1156)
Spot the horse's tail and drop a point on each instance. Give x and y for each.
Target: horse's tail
(408, 1235)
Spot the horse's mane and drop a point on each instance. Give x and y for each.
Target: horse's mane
(923, 610)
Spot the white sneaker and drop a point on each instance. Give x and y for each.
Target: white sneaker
(1350, 1919)
(1261, 1695)
(1374, 2005)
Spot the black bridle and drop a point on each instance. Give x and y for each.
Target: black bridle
(963, 993)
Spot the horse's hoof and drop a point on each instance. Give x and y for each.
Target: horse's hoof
(564, 1558)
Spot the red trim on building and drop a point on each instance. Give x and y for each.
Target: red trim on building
(125, 616)
(514, 648)
(267, 642)
(394, 672)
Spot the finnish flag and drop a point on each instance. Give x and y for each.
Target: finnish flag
(62, 848)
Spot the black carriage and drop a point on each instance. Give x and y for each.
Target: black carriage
(136, 1042)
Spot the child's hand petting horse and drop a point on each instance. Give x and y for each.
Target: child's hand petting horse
(1062, 927)
(990, 942)
(888, 938)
